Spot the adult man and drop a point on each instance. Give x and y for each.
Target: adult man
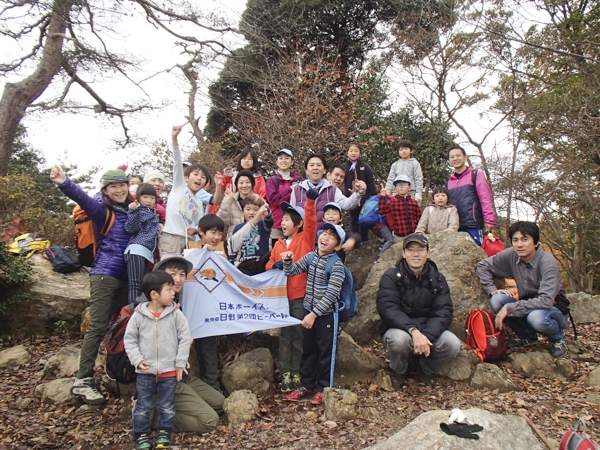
(414, 303)
(473, 198)
(336, 175)
(541, 297)
(197, 405)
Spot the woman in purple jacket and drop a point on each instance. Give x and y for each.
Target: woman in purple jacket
(108, 275)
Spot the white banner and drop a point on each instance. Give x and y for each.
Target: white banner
(218, 299)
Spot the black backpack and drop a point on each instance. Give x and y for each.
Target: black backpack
(63, 259)
(117, 365)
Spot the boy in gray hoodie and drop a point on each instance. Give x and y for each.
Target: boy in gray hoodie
(157, 342)
(409, 166)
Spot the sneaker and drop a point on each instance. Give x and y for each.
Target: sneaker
(143, 442)
(317, 399)
(559, 348)
(427, 378)
(163, 439)
(296, 380)
(86, 389)
(286, 382)
(298, 394)
(517, 342)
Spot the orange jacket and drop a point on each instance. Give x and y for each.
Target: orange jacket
(302, 243)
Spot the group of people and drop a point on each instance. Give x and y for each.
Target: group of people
(289, 224)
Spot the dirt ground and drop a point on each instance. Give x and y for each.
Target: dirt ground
(26, 423)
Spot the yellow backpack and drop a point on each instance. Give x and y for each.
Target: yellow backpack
(27, 244)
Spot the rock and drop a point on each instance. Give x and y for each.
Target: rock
(23, 403)
(55, 297)
(499, 432)
(593, 398)
(585, 308)
(64, 363)
(340, 404)
(456, 256)
(542, 364)
(14, 356)
(360, 261)
(593, 378)
(240, 407)
(384, 381)
(462, 367)
(56, 392)
(353, 359)
(490, 376)
(253, 370)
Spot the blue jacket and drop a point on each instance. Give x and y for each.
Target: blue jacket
(142, 224)
(109, 257)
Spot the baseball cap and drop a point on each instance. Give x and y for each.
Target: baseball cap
(286, 151)
(338, 230)
(286, 207)
(415, 237)
(401, 179)
(168, 257)
(332, 205)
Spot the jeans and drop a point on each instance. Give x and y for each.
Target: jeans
(146, 385)
(549, 322)
(399, 345)
(388, 237)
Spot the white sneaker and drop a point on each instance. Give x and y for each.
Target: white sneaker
(86, 389)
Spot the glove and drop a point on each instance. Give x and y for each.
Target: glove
(462, 430)
(312, 194)
(419, 197)
(278, 265)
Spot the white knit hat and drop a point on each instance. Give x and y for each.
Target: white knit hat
(152, 174)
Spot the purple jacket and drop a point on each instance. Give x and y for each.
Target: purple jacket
(474, 203)
(109, 257)
(326, 195)
(279, 190)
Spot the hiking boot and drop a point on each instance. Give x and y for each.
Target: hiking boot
(317, 399)
(398, 379)
(286, 382)
(559, 348)
(86, 389)
(298, 394)
(163, 439)
(427, 378)
(517, 342)
(143, 442)
(296, 380)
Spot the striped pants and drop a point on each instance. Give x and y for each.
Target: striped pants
(137, 268)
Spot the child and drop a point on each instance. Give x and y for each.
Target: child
(357, 169)
(403, 213)
(322, 293)
(142, 223)
(409, 166)
(210, 230)
(231, 209)
(157, 341)
(108, 275)
(299, 230)
(279, 189)
(186, 201)
(248, 160)
(332, 213)
(249, 243)
(441, 216)
(157, 179)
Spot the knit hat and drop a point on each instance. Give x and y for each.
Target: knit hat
(152, 174)
(113, 176)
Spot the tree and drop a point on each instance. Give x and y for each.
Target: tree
(69, 43)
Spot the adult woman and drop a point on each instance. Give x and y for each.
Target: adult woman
(231, 210)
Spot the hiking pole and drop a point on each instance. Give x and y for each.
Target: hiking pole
(537, 431)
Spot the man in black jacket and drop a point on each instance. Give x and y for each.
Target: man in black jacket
(414, 303)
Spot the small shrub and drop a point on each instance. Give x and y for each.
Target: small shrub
(15, 274)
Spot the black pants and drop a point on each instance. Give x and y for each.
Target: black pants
(208, 359)
(315, 368)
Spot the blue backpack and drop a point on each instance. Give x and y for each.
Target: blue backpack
(348, 302)
(369, 213)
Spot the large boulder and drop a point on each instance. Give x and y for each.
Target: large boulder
(593, 378)
(462, 367)
(352, 360)
(14, 356)
(490, 376)
(585, 308)
(542, 364)
(456, 256)
(253, 371)
(56, 297)
(499, 432)
(64, 363)
(56, 392)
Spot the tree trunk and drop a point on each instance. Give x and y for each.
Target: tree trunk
(17, 97)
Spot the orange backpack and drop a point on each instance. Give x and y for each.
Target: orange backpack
(482, 335)
(85, 235)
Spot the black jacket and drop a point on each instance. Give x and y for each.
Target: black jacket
(405, 301)
(362, 172)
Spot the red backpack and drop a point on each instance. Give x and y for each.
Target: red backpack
(117, 365)
(492, 244)
(482, 335)
(573, 440)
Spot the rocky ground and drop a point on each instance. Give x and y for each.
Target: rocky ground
(27, 423)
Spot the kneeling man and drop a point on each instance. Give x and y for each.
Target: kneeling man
(414, 303)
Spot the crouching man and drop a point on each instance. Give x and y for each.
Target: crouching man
(414, 303)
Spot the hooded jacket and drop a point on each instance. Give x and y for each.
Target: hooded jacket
(280, 190)
(163, 342)
(405, 301)
(231, 213)
(438, 218)
(412, 169)
(474, 202)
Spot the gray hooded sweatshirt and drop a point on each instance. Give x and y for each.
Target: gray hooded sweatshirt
(412, 169)
(163, 342)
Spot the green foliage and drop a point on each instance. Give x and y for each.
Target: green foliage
(15, 274)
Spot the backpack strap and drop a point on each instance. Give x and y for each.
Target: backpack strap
(108, 223)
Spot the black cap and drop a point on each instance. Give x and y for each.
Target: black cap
(415, 237)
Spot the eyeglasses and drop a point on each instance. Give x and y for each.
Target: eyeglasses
(416, 250)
